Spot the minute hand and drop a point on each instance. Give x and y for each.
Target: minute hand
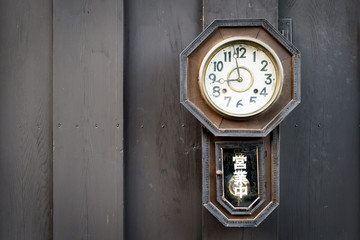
(237, 66)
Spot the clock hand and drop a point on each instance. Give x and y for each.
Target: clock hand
(237, 65)
(221, 80)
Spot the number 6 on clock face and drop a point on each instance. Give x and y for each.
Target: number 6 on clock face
(240, 77)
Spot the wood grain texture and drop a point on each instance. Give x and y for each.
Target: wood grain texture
(163, 149)
(25, 119)
(212, 9)
(88, 119)
(215, 9)
(320, 140)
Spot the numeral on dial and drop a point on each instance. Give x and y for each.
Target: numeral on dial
(227, 56)
(268, 78)
(252, 99)
(218, 66)
(239, 103)
(241, 51)
(212, 77)
(228, 100)
(264, 63)
(216, 91)
(263, 92)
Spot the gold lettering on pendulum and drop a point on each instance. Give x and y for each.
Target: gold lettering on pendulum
(240, 186)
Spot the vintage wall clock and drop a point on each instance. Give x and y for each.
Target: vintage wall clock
(240, 79)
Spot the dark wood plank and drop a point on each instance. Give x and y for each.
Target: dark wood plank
(163, 140)
(88, 119)
(25, 119)
(213, 9)
(320, 140)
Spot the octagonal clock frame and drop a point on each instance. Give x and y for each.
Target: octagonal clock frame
(260, 30)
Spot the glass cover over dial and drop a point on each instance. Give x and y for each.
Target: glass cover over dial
(240, 77)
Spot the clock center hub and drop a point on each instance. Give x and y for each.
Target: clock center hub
(240, 79)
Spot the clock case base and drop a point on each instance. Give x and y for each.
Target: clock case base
(268, 175)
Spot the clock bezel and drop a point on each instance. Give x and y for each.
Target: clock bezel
(250, 41)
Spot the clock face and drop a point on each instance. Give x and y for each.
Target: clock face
(240, 77)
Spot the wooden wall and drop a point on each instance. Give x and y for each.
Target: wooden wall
(88, 119)
(78, 77)
(26, 119)
(320, 151)
(163, 149)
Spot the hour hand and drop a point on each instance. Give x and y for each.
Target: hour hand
(221, 80)
(234, 80)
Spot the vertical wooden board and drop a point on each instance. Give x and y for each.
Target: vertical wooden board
(320, 139)
(25, 119)
(233, 9)
(213, 9)
(163, 140)
(213, 229)
(88, 119)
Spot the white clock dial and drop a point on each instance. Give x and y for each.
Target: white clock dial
(240, 77)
